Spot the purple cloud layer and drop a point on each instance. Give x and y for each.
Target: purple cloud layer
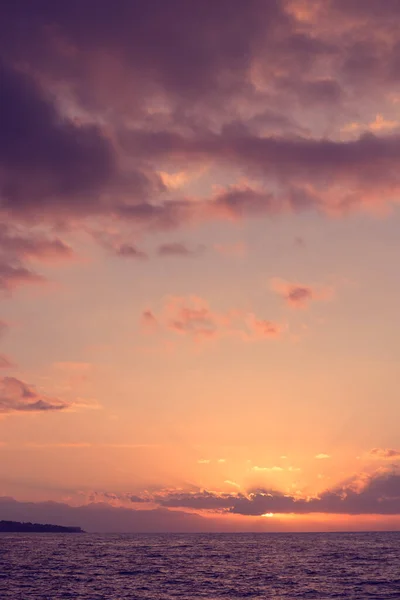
(98, 98)
(379, 495)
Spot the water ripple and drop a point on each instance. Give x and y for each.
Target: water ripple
(211, 567)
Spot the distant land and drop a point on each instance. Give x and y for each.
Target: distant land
(16, 527)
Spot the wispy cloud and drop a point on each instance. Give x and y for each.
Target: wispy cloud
(273, 469)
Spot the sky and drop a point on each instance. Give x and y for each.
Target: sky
(199, 289)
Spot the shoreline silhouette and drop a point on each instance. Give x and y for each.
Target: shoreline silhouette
(18, 527)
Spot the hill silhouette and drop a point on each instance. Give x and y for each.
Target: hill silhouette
(17, 527)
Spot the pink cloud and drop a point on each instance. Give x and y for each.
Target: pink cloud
(298, 295)
(17, 396)
(193, 317)
(19, 246)
(261, 328)
(13, 276)
(21, 243)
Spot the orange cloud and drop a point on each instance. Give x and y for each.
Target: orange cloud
(385, 453)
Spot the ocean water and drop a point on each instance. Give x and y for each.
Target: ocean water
(216, 566)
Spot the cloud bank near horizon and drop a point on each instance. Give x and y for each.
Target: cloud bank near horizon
(208, 511)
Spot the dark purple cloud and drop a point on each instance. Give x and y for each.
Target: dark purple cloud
(184, 49)
(98, 98)
(379, 495)
(45, 158)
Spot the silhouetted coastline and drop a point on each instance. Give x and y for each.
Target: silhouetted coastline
(17, 527)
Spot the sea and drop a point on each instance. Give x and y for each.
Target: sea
(357, 566)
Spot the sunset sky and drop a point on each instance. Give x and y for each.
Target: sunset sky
(199, 281)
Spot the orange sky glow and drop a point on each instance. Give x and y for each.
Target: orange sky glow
(199, 288)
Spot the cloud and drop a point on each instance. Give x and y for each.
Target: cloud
(263, 329)
(118, 111)
(320, 174)
(113, 241)
(193, 317)
(14, 275)
(232, 483)
(130, 251)
(379, 494)
(266, 469)
(62, 160)
(298, 295)
(200, 501)
(379, 124)
(385, 453)
(322, 456)
(17, 396)
(20, 244)
(178, 249)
